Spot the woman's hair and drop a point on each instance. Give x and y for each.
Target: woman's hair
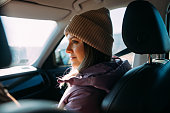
(92, 57)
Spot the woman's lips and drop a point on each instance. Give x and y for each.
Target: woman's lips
(71, 58)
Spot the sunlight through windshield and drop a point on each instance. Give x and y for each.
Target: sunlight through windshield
(26, 38)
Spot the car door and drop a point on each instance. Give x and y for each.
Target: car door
(22, 79)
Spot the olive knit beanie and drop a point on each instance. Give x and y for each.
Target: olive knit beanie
(93, 27)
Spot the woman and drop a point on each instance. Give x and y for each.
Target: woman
(94, 71)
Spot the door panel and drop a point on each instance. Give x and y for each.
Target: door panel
(28, 85)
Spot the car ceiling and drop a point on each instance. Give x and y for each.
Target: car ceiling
(60, 9)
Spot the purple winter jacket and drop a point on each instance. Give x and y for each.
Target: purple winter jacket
(88, 88)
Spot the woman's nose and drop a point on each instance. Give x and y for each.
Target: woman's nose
(69, 49)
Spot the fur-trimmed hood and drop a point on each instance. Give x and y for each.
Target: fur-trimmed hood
(102, 76)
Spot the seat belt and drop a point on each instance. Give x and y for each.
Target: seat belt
(123, 52)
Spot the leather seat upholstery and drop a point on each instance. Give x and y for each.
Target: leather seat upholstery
(146, 88)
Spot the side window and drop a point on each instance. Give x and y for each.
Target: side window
(118, 45)
(117, 17)
(62, 58)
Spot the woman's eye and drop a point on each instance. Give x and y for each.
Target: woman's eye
(74, 41)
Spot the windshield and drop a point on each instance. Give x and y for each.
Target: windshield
(26, 38)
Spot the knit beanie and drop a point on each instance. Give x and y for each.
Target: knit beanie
(93, 27)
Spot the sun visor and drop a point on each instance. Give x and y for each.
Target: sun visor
(3, 2)
(33, 11)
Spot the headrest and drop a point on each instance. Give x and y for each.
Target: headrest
(143, 29)
(5, 55)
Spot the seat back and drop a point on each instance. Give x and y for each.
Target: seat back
(146, 88)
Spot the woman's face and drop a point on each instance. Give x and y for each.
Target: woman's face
(75, 49)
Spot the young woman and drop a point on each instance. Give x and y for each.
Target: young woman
(94, 71)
